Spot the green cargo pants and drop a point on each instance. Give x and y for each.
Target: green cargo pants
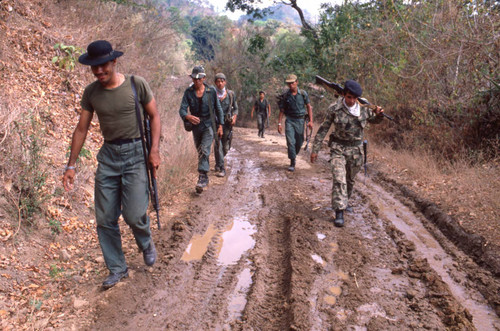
(203, 138)
(294, 132)
(121, 187)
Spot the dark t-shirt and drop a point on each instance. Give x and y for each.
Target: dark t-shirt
(115, 107)
(261, 107)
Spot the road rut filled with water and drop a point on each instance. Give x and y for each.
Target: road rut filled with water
(258, 251)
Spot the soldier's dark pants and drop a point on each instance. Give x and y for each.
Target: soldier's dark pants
(346, 163)
(121, 187)
(294, 132)
(224, 146)
(203, 138)
(261, 123)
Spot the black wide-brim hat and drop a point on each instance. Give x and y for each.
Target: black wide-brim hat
(99, 52)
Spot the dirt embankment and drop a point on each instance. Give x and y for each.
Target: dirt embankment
(257, 250)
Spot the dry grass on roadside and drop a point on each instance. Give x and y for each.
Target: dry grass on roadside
(467, 192)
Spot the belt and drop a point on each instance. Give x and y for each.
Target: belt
(347, 143)
(296, 116)
(122, 141)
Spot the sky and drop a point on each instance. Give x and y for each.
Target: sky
(312, 6)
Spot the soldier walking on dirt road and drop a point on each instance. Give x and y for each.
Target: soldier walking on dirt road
(293, 104)
(121, 182)
(229, 106)
(349, 119)
(205, 118)
(262, 109)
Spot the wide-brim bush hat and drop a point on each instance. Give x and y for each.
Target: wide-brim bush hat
(198, 72)
(99, 52)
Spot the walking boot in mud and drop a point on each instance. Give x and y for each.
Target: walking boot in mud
(349, 119)
(202, 183)
(339, 218)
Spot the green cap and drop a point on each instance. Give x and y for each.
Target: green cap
(290, 78)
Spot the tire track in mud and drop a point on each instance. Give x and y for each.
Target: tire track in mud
(257, 251)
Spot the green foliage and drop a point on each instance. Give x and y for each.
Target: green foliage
(36, 304)
(206, 34)
(55, 226)
(257, 44)
(67, 56)
(55, 271)
(32, 175)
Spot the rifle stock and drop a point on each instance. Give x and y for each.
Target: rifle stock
(340, 90)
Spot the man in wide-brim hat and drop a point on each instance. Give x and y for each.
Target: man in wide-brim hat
(121, 183)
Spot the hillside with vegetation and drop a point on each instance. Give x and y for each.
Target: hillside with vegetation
(434, 66)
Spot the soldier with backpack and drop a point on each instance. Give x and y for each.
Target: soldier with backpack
(294, 104)
(262, 109)
(204, 119)
(229, 106)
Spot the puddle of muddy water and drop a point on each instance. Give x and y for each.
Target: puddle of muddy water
(236, 241)
(238, 299)
(198, 245)
(484, 318)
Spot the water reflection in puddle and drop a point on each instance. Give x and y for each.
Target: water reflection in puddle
(236, 241)
(238, 299)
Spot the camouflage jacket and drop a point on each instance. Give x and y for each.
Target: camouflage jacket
(346, 127)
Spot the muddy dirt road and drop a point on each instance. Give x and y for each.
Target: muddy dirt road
(256, 251)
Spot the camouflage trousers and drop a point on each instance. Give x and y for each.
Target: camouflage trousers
(346, 162)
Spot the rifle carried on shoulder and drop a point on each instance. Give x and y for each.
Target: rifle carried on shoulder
(340, 90)
(146, 147)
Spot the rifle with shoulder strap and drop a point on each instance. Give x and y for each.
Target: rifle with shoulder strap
(212, 117)
(146, 147)
(340, 90)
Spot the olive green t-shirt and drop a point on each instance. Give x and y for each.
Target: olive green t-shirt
(115, 107)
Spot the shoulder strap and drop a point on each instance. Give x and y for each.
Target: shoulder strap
(213, 93)
(231, 99)
(137, 111)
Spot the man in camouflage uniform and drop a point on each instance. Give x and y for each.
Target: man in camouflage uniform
(205, 117)
(293, 104)
(262, 109)
(349, 119)
(229, 106)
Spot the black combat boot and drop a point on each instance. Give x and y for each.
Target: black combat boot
(114, 278)
(202, 183)
(339, 218)
(292, 166)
